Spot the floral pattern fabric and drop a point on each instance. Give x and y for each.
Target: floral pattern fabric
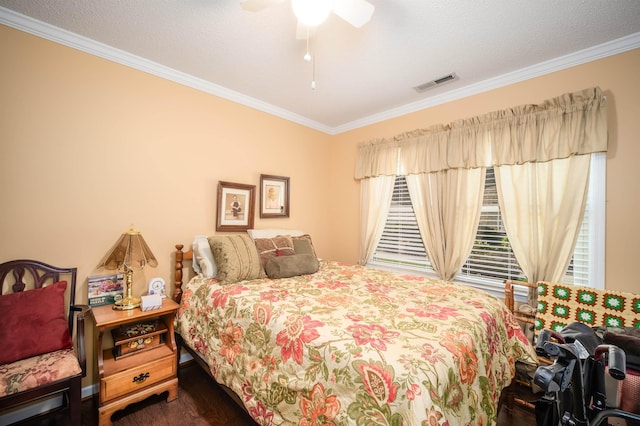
(38, 370)
(350, 345)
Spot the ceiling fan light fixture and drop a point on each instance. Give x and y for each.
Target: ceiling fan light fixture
(312, 12)
(355, 12)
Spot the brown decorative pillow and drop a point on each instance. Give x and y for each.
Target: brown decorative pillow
(34, 323)
(303, 244)
(282, 245)
(290, 266)
(236, 258)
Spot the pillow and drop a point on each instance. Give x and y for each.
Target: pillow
(304, 244)
(34, 323)
(272, 232)
(290, 266)
(236, 258)
(194, 261)
(203, 258)
(278, 246)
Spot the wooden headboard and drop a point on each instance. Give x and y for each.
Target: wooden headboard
(180, 256)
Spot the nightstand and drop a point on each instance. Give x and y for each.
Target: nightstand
(130, 377)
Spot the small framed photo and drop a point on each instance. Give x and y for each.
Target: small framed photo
(157, 287)
(236, 207)
(105, 289)
(274, 196)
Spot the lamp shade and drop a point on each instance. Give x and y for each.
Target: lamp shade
(129, 252)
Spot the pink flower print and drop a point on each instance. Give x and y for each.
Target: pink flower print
(375, 335)
(262, 314)
(231, 337)
(221, 296)
(298, 331)
(318, 408)
(434, 311)
(260, 414)
(461, 345)
(378, 381)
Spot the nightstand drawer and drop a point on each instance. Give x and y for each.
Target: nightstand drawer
(137, 378)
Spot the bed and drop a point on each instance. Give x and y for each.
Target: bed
(350, 345)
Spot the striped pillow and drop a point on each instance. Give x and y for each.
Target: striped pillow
(236, 258)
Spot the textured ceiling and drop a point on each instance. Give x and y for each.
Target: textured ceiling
(363, 75)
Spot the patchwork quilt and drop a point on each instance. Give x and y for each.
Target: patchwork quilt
(560, 305)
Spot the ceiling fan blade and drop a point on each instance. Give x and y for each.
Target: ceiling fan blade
(355, 12)
(257, 5)
(302, 31)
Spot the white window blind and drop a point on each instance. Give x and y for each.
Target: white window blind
(491, 260)
(401, 246)
(587, 265)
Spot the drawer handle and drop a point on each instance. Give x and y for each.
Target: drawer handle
(141, 378)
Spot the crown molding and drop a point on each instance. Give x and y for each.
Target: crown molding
(41, 29)
(84, 44)
(580, 57)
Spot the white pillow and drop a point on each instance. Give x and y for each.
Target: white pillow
(203, 262)
(273, 232)
(194, 261)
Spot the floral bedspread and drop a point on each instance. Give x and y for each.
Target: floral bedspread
(350, 345)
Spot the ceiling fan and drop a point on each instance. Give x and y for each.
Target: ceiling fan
(311, 13)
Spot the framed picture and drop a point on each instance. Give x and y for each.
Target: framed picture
(105, 289)
(274, 196)
(236, 206)
(157, 287)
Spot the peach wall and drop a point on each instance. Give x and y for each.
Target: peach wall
(88, 147)
(618, 78)
(112, 146)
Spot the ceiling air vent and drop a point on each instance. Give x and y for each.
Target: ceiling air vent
(437, 82)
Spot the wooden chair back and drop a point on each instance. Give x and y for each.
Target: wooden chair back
(524, 313)
(26, 275)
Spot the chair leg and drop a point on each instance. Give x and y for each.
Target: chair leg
(75, 402)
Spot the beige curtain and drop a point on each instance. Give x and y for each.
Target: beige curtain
(542, 205)
(378, 157)
(375, 193)
(570, 125)
(542, 156)
(447, 206)
(463, 144)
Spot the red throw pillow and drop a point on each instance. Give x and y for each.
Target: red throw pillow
(33, 323)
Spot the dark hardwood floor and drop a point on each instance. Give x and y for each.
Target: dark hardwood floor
(202, 402)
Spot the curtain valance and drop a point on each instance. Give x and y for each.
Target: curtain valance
(571, 124)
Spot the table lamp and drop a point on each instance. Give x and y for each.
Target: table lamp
(129, 252)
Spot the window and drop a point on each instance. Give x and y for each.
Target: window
(400, 247)
(491, 260)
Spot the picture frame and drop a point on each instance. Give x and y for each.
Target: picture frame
(274, 196)
(105, 289)
(157, 287)
(236, 207)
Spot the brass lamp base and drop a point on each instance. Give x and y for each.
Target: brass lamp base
(127, 303)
